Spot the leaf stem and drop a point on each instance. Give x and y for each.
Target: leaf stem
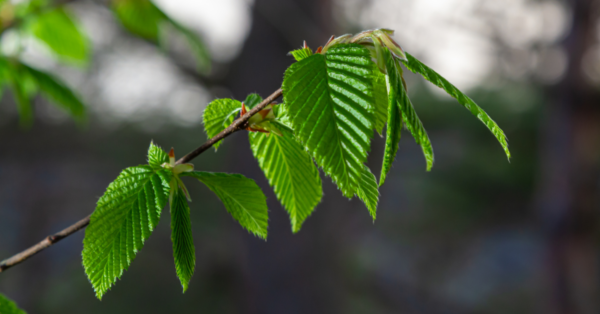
(50, 240)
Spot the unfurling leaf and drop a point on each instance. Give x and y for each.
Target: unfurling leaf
(156, 156)
(290, 171)
(181, 236)
(329, 99)
(218, 115)
(394, 116)
(409, 115)
(417, 66)
(380, 95)
(9, 307)
(302, 53)
(124, 217)
(368, 191)
(57, 29)
(242, 198)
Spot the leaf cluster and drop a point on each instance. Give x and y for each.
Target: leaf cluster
(335, 99)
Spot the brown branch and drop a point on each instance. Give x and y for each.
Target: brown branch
(237, 125)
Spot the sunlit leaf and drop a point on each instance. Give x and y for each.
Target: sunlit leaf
(417, 66)
(124, 217)
(329, 99)
(394, 118)
(181, 236)
(290, 171)
(409, 115)
(242, 198)
(9, 307)
(218, 115)
(368, 191)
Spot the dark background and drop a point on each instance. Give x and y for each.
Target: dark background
(477, 234)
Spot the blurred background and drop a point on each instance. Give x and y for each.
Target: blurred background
(477, 234)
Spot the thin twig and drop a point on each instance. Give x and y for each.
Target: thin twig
(50, 240)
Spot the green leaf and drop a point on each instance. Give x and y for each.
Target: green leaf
(156, 156)
(9, 307)
(58, 30)
(58, 92)
(409, 115)
(181, 236)
(394, 124)
(124, 217)
(252, 100)
(417, 66)
(330, 101)
(141, 17)
(368, 191)
(302, 53)
(242, 198)
(380, 94)
(218, 115)
(290, 171)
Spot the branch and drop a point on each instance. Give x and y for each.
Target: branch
(50, 240)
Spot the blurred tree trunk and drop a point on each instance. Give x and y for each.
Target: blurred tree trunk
(570, 156)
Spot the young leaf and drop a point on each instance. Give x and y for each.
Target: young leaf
(242, 198)
(417, 66)
(58, 92)
(380, 95)
(156, 156)
(181, 236)
(410, 117)
(394, 126)
(290, 171)
(330, 101)
(57, 29)
(302, 53)
(141, 17)
(124, 218)
(252, 100)
(218, 115)
(368, 191)
(9, 307)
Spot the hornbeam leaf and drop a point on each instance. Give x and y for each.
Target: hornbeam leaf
(156, 156)
(242, 198)
(368, 191)
(252, 100)
(290, 171)
(58, 92)
(330, 102)
(409, 115)
(124, 217)
(181, 236)
(218, 115)
(8, 306)
(57, 29)
(380, 94)
(394, 122)
(417, 66)
(301, 53)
